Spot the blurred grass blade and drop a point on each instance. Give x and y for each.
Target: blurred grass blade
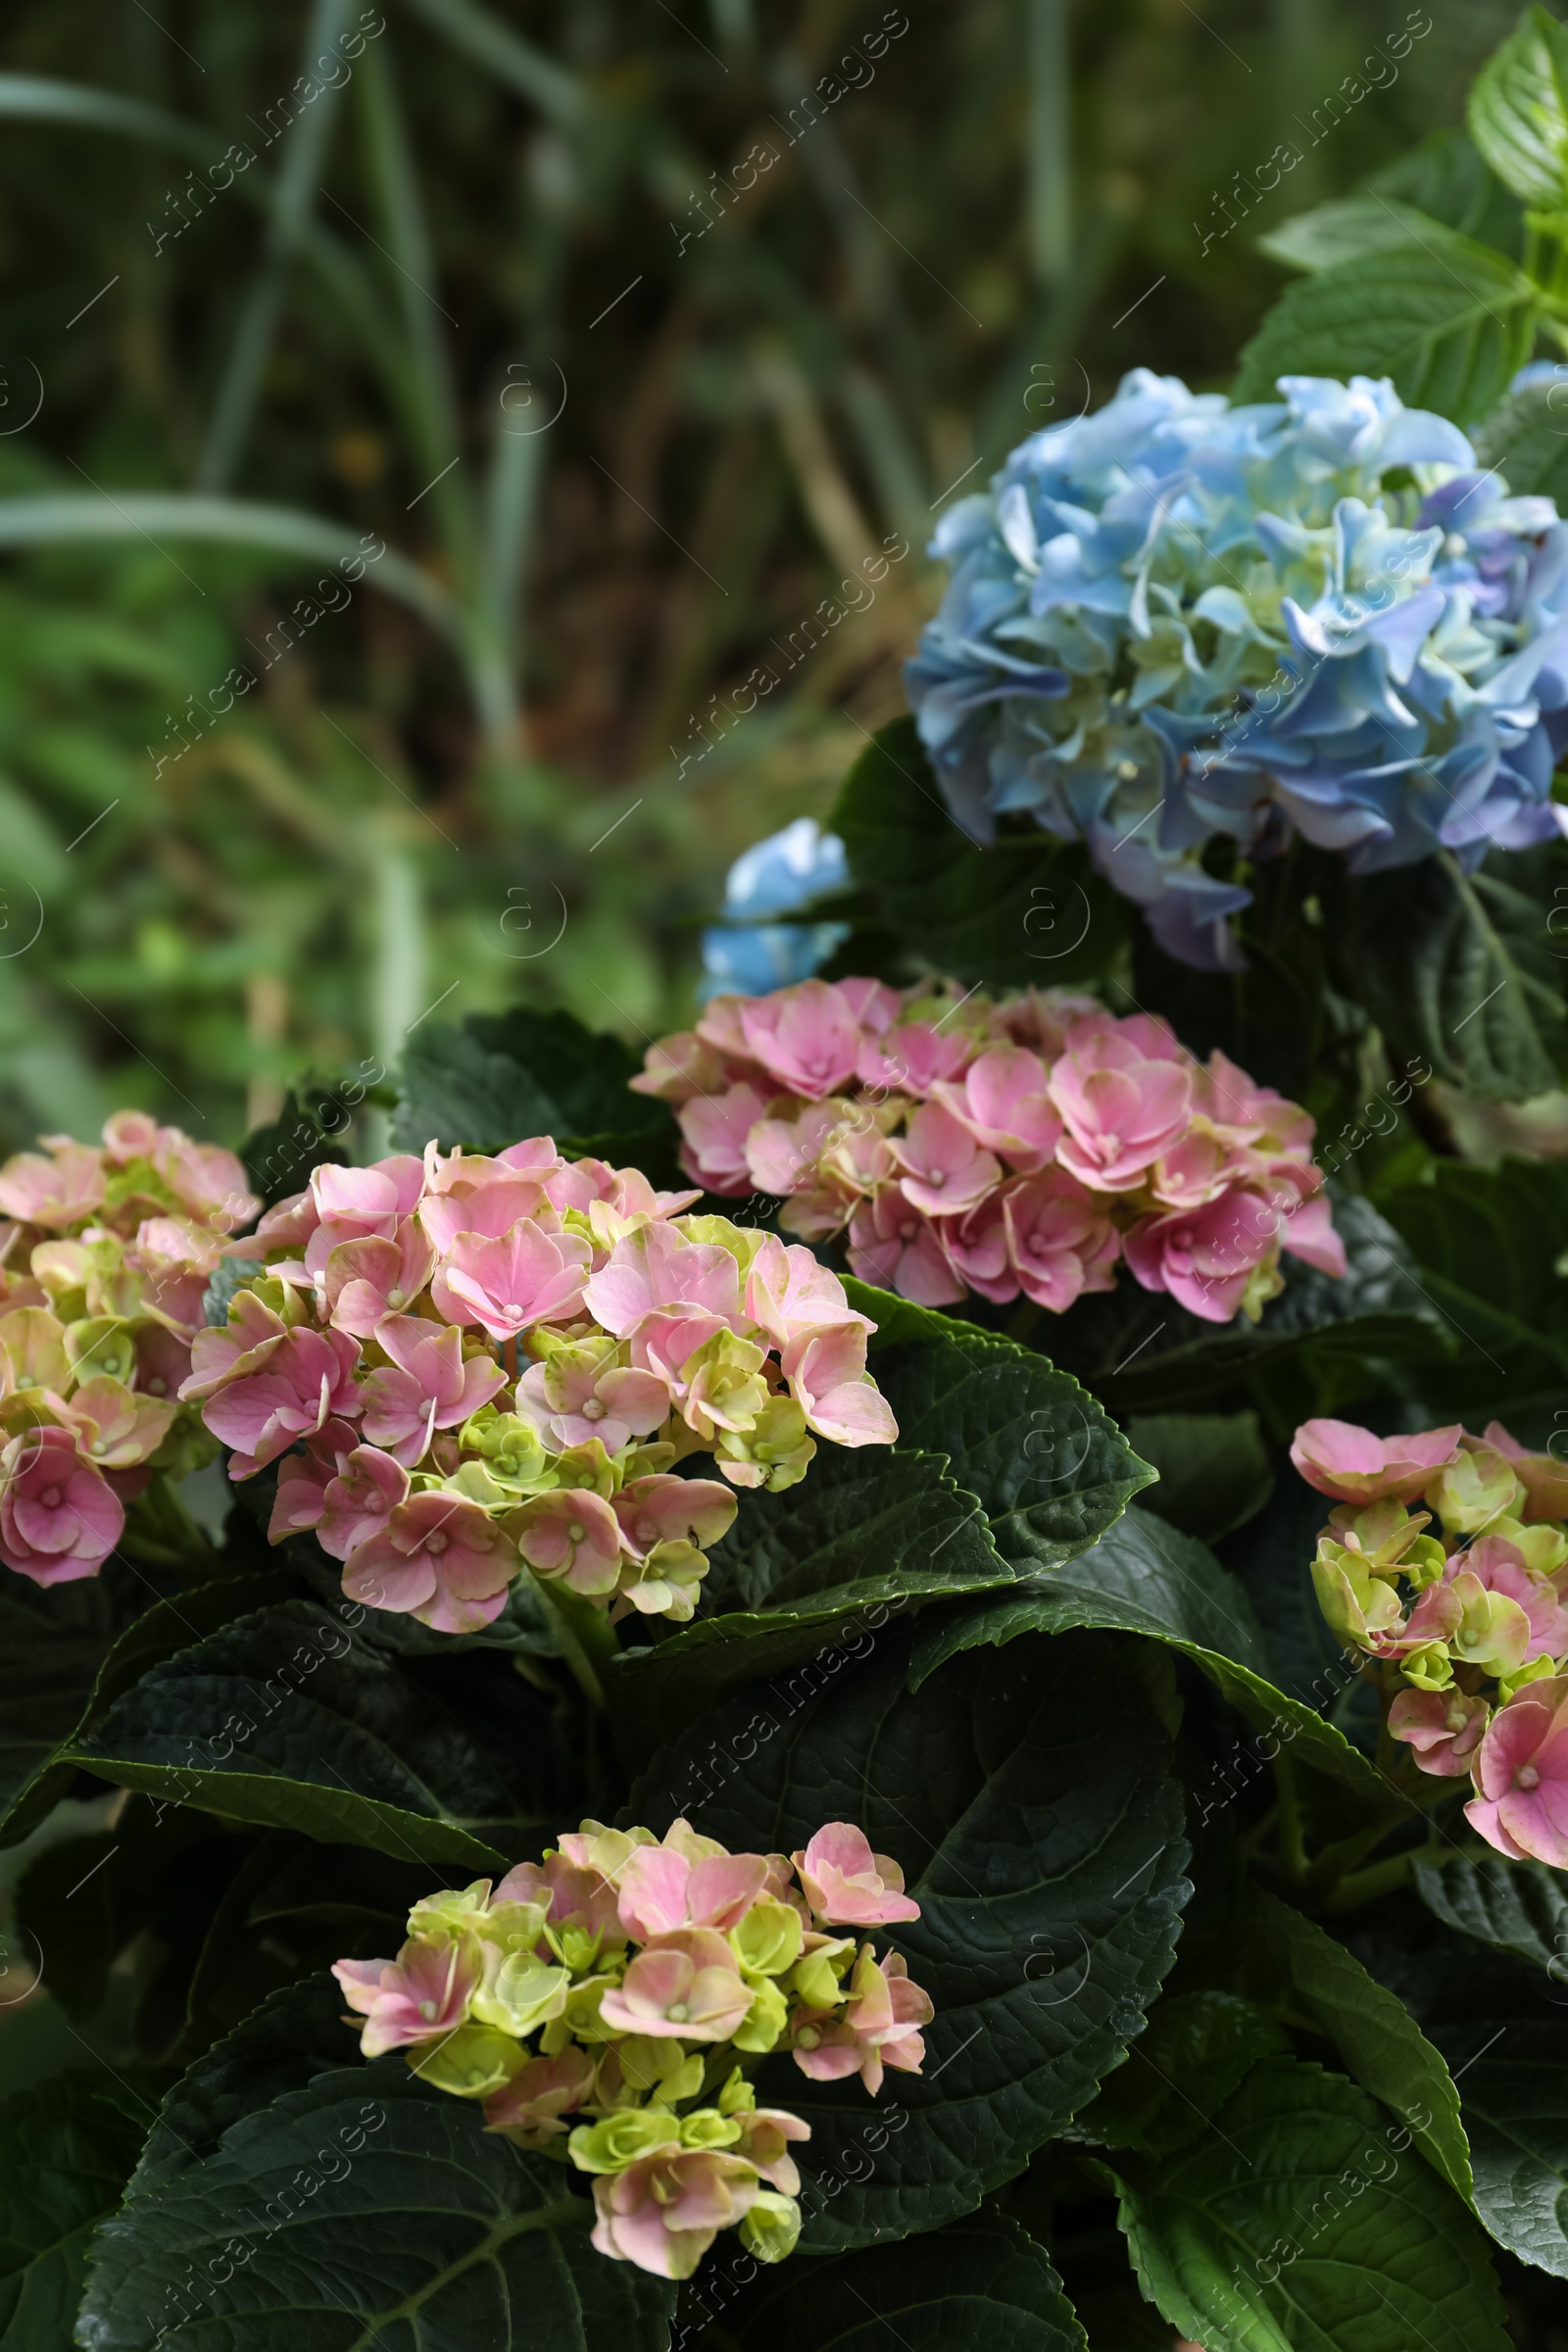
(506, 55)
(1050, 140)
(292, 203)
(432, 405)
(733, 27)
(401, 968)
(825, 492)
(511, 507)
(52, 519)
(31, 98)
(888, 454)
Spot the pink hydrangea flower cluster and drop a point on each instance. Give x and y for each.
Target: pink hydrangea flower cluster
(105, 1256)
(1469, 1628)
(634, 1983)
(1025, 1144)
(468, 1366)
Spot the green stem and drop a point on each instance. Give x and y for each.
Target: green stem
(588, 1640)
(1253, 1841)
(1331, 1866)
(1021, 1322)
(1382, 1878)
(1293, 1843)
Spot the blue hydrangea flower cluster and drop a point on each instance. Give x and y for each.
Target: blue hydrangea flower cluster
(750, 957)
(1175, 619)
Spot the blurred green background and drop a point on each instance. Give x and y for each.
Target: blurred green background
(520, 298)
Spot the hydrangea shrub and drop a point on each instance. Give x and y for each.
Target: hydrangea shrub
(1034, 1883)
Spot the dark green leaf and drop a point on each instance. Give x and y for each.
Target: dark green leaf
(1145, 1578)
(1487, 1242)
(1028, 911)
(1214, 1469)
(82, 1900)
(294, 1907)
(67, 2147)
(1526, 438)
(293, 2036)
(1515, 2080)
(1304, 2219)
(363, 2208)
(981, 2285)
(157, 1634)
(1051, 1469)
(1197, 2049)
(1443, 181)
(1518, 111)
(1026, 1798)
(1447, 177)
(504, 1076)
(1375, 2034)
(1341, 230)
(1269, 1557)
(864, 1533)
(1447, 317)
(288, 1719)
(858, 1522)
(1276, 1016)
(51, 1646)
(1459, 970)
(1518, 1907)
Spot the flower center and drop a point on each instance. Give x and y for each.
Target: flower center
(513, 1309)
(677, 2013)
(395, 1298)
(575, 1531)
(158, 1388)
(1527, 1777)
(645, 1532)
(908, 1232)
(435, 1543)
(808, 2037)
(936, 1180)
(427, 2010)
(593, 1411)
(50, 1498)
